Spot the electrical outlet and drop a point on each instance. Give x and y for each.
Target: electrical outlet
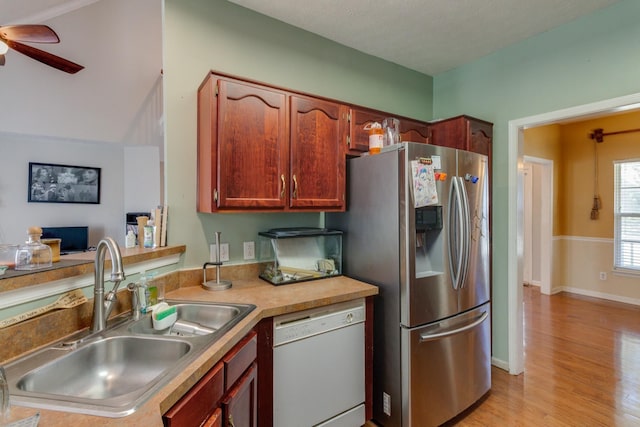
(603, 275)
(224, 252)
(249, 250)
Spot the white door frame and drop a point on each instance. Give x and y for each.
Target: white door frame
(515, 226)
(546, 221)
(527, 217)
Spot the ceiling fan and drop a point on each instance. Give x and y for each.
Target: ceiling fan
(12, 36)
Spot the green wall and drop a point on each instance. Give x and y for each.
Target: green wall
(591, 59)
(203, 35)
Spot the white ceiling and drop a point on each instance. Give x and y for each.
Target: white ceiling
(430, 36)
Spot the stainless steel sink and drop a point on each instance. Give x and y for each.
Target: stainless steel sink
(106, 368)
(113, 372)
(195, 319)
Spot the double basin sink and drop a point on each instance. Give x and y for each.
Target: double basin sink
(113, 372)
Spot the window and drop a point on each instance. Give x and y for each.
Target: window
(627, 216)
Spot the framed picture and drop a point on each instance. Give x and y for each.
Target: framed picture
(49, 183)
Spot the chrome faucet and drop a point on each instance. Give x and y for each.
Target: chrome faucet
(102, 305)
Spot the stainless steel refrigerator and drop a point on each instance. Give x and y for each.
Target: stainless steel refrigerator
(432, 335)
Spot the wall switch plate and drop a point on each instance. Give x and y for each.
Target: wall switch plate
(212, 252)
(249, 250)
(603, 275)
(224, 252)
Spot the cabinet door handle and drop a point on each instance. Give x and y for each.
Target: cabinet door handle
(231, 424)
(284, 184)
(295, 187)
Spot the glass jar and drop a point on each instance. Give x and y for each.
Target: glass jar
(33, 254)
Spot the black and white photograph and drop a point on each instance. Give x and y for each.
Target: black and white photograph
(52, 183)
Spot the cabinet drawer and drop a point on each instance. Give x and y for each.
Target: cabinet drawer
(239, 359)
(199, 402)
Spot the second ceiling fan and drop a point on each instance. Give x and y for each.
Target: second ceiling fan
(13, 37)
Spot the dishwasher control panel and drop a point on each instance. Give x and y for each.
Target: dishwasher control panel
(303, 324)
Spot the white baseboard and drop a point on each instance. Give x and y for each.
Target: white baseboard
(499, 363)
(595, 294)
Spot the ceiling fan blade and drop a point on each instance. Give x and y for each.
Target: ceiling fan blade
(29, 33)
(46, 57)
(1, 60)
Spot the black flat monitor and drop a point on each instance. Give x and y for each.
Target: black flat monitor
(73, 239)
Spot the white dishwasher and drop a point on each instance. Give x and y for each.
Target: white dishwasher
(318, 367)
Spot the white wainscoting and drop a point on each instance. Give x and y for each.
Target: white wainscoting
(577, 264)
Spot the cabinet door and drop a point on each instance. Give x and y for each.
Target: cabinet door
(240, 406)
(214, 420)
(318, 135)
(481, 134)
(463, 132)
(358, 136)
(252, 144)
(414, 131)
(199, 402)
(450, 133)
(248, 159)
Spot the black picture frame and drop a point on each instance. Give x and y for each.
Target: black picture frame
(53, 183)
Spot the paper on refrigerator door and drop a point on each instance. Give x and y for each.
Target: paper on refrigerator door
(424, 184)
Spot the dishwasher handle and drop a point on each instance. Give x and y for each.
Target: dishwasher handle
(432, 337)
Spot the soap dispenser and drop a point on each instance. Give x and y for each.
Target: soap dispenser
(33, 254)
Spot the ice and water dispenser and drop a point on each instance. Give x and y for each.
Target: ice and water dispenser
(428, 241)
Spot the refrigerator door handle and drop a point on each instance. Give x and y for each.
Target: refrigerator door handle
(432, 337)
(456, 234)
(466, 233)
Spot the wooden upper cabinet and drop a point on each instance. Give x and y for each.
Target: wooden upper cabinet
(242, 146)
(463, 132)
(410, 130)
(262, 148)
(358, 136)
(252, 138)
(414, 131)
(318, 136)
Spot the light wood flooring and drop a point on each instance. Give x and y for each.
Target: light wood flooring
(582, 367)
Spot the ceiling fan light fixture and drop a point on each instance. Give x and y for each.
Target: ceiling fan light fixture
(3, 47)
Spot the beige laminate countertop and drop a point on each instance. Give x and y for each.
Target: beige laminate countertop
(269, 301)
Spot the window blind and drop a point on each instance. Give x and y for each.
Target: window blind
(627, 215)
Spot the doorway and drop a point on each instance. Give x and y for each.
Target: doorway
(516, 203)
(538, 222)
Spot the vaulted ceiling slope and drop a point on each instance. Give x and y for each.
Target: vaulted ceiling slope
(119, 42)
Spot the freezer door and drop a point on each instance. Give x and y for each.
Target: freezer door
(473, 172)
(449, 367)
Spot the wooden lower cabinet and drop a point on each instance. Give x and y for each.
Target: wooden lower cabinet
(226, 396)
(240, 406)
(214, 420)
